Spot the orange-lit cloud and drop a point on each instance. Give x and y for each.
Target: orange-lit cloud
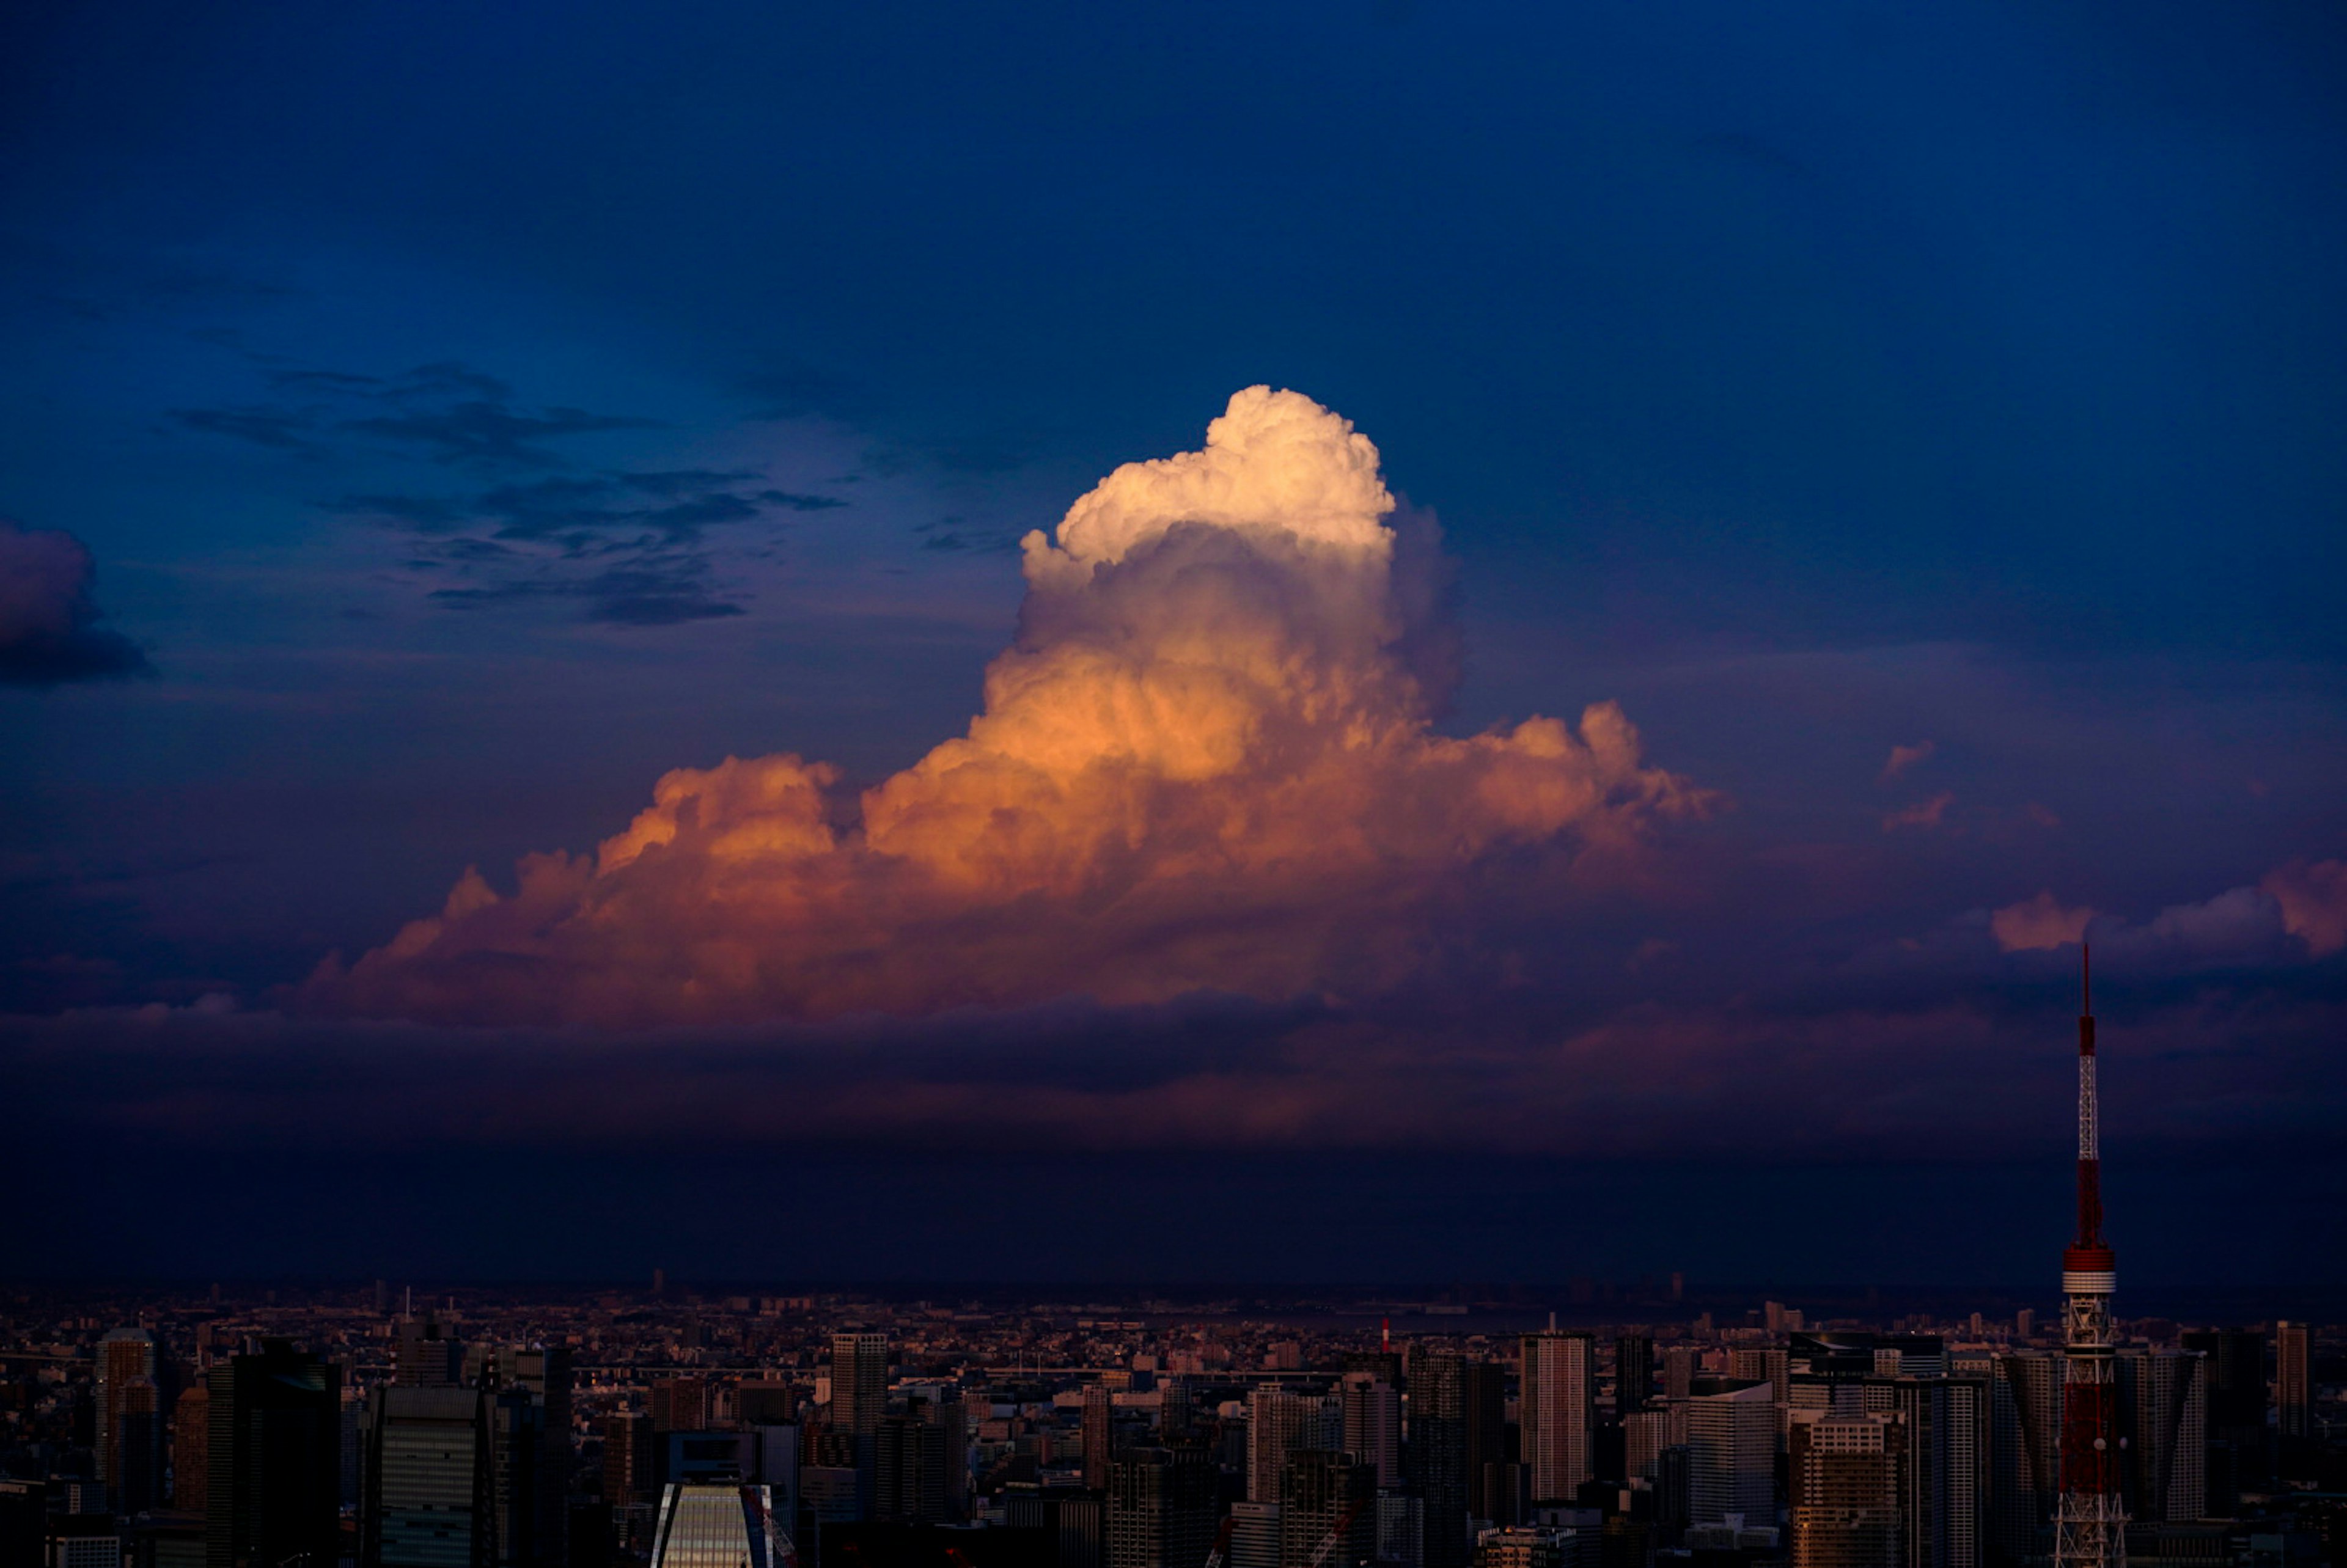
(2037, 923)
(1206, 760)
(2313, 899)
(1905, 757)
(1924, 814)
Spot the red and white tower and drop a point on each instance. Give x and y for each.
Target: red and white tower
(2090, 1528)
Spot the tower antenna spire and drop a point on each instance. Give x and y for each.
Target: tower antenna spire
(2090, 1529)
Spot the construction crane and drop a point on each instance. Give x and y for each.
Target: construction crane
(779, 1546)
(1221, 1548)
(1337, 1532)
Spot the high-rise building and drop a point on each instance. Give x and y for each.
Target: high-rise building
(518, 1470)
(859, 1382)
(1400, 1533)
(1437, 1449)
(1557, 1402)
(628, 1459)
(1163, 1508)
(2163, 1435)
(1255, 1534)
(1945, 1424)
(2293, 1391)
(1327, 1513)
(2090, 1525)
(427, 1357)
(1731, 1440)
(2237, 1433)
(1769, 1365)
(679, 1405)
(190, 1439)
(1634, 1372)
(1173, 1411)
(1372, 1423)
(1099, 1429)
(718, 1526)
(2024, 1456)
(919, 1465)
(129, 1453)
(1493, 1473)
(427, 1497)
(1279, 1422)
(273, 1493)
(1847, 1485)
(1680, 1363)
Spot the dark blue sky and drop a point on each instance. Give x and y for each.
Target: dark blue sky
(472, 414)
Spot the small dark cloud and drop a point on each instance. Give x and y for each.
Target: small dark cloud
(446, 411)
(799, 503)
(283, 429)
(659, 608)
(48, 617)
(661, 590)
(955, 533)
(420, 513)
(489, 434)
(449, 378)
(324, 381)
(684, 481)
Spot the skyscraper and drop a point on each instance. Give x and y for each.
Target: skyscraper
(1492, 1471)
(1279, 1422)
(1731, 1438)
(1679, 1363)
(274, 1456)
(628, 1459)
(1372, 1424)
(1557, 1394)
(428, 1495)
(1944, 1489)
(1847, 1482)
(1099, 1425)
(1327, 1510)
(2025, 1454)
(1634, 1372)
(517, 1470)
(2293, 1392)
(1164, 1507)
(129, 1454)
(859, 1383)
(2090, 1527)
(427, 1359)
(681, 1405)
(191, 1439)
(917, 1466)
(717, 1526)
(1438, 1448)
(2238, 1434)
(2163, 1426)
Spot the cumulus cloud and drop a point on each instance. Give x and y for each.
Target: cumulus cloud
(1206, 762)
(2313, 899)
(48, 617)
(2038, 923)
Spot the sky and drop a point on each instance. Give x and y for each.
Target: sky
(1285, 643)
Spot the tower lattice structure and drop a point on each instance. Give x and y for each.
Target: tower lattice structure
(2090, 1524)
